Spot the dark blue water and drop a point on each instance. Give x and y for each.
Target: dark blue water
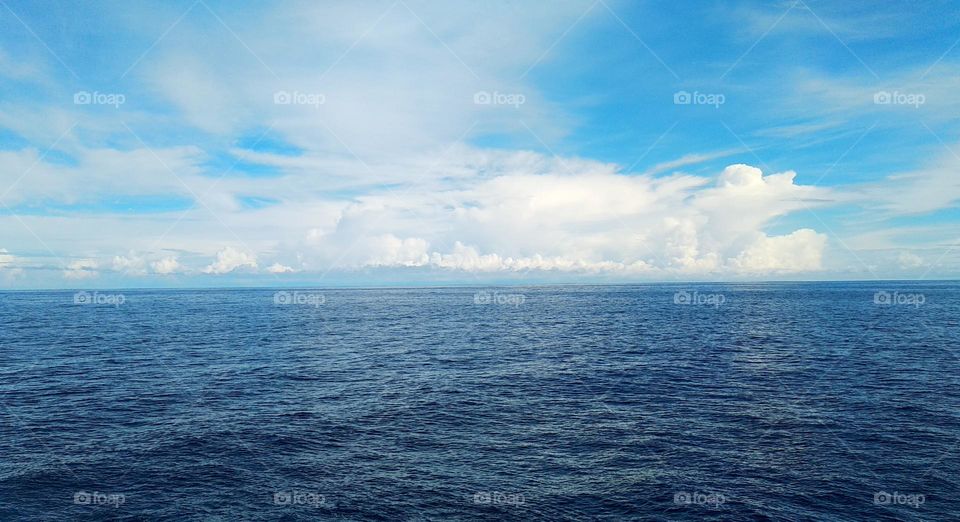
(766, 401)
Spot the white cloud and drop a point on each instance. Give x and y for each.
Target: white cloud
(909, 260)
(799, 251)
(165, 266)
(81, 269)
(277, 268)
(6, 259)
(455, 207)
(393, 251)
(132, 265)
(587, 217)
(213, 87)
(7, 265)
(101, 172)
(689, 159)
(230, 259)
(467, 258)
(933, 187)
(487, 211)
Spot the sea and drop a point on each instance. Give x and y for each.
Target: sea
(832, 401)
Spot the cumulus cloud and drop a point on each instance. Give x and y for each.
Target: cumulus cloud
(501, 211)
(6, 259)
(7, 265)
(230, 259)
(467, 258)
(130, 265)
(165, 266)
(277, 268)
(81, 269)
(909, 260)
(389, 250)
(799, 251)
(591, 218)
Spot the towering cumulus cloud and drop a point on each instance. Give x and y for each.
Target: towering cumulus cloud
(589, 217)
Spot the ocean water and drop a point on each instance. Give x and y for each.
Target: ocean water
(793, 401)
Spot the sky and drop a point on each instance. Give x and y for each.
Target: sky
(207, 143)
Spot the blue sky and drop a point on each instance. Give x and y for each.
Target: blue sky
(207, 143)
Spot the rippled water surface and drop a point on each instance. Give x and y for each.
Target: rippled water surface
(816, 401)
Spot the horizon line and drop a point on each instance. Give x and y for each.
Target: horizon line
(454, 286)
